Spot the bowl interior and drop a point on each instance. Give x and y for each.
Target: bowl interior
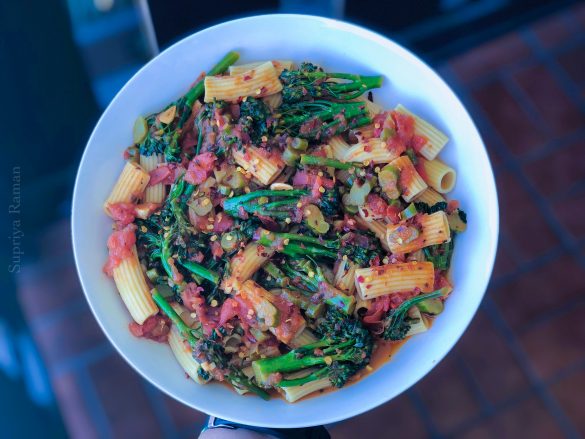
(337, 46)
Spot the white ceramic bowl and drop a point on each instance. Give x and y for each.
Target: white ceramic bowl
(339, 47)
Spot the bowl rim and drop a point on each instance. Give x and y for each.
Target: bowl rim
(369, 35)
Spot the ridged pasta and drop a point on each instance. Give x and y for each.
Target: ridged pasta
(279, 65)
(265, 169)
(245, 263)
(430, 197)
(257, 82)
(184, 355)
(304, 338)
(133, 288)
(370, 151)
(439, 176)
(344, 276)
(410, 180)
(157, 192)
(434, 230)
(129, 187)
(436, 139)
(338, 147)
(273, 101)
(365, 132)
(393, 278)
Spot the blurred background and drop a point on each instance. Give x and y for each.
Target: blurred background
(519, 66)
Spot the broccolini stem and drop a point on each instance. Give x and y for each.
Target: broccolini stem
(312, 160)
(276, 273)
(293, 249)
(185, 331)
(318, 374)
(200, 270)
(246, 201)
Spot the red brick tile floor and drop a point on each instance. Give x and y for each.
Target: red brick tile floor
(519, 371)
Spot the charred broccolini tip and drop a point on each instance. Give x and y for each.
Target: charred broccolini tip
(396, 324)
(310, 82)
(306, 274)
(275, 204)
(320, 119)
(211, 351)
(345, 348)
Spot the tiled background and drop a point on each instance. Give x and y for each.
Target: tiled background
(518, 372)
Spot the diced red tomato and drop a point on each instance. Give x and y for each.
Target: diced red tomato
(216, 249)
(122, 212)
(200, 168)
(380, 207)
(307, 179)
(155, 328)
(120, 245)
(222, 223)
(159, 175)
(291, 320)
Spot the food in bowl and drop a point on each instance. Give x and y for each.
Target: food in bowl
(280, 230)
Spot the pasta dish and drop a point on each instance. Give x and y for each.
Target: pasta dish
(280, 230)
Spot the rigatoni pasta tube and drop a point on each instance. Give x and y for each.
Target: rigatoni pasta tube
(370, 151)
(436, 139)
(257, 82)
(344, 276)
(154, 193)
(434, 230)
(279, 65)
(129, 187)
(393, 278)
(133, 288)
(430, 197)
(184, 355)
(245, 263)
(439, 176)
(410, 181)
(304, 338)
(265, 169)
(338, 147)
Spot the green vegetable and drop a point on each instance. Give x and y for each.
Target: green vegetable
(425, 208)
(440, 254)
(358, 193)
(345, 348)
(431, 306)
(308, 275)
(276, 204)
(140, 130)
(312, 310)
(409, 212)
(310, 82)
(396, 324)
(312, 160)
(318, 120)
(315, 220)
(388, 181)
(299, 144)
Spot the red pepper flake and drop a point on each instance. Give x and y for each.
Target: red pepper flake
(360, 279)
